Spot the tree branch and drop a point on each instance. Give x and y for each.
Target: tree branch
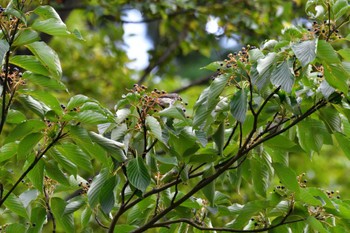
(49, 211)
(196, 82)
(199, 227)
(32, 165)
(164, 56)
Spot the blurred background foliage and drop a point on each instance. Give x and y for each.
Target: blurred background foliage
(163, 44)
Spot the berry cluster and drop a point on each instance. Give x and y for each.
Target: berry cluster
(85, 186)
(332, 194)
(49, 185)
(327, 29)
(154, 101)
(318, 212)
(301, 181)
(240, 56)
(259, 221)
(14, 78)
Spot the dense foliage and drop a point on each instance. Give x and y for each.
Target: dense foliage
(75, 166)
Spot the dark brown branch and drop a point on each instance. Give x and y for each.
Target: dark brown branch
(50, 215)
(250, 102)
(32, 165)
(256, 116)
(164, 56)
(149, 20)
(203, 228)
(100, 223)
(231, 135)
(10, 39)
(205, 181)
(196, 82)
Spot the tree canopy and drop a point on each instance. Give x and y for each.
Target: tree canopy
(257, 140)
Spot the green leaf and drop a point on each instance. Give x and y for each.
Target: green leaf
(345, 53)
(121, 115)
(34, 105)
(287, 176)
(10, 10)
(25, 128)
(73, 206)
(91, 117)
(30, 63)
(65, 163)
(173, 112)
(107, 194)
(38, 217)
(55, 173)
(340, 8)
(49, 100)
(138, 174)
(316, 225)
(43, 81)
(260, 175)
(77, 101)
(26, 36)
(283, 75)
(331, 118)
(66, 221)
(312, 135)
(76, 155)
(154, 127)
(255, 55)
(239, 105)
(28, 196)
(245, 213)
(216, 88)
(307, 197)
(344, 143)
(305, 51)
(52, 27)
(263, 70)
(214, 66)
(15, 117)
(14, 204)
(4, 47)
(219, 138)
(82, 138)
(8, 150)
(113, 147)
(204, 155)
(185, 143)
(326, 53)
(326, 89)
(96, 186)
(47, 56)
(209, 190)
(36, 175)
(15, 228)
(280, 142)
(85, 216)
(27, 144)
(336, 76)
(202, 113)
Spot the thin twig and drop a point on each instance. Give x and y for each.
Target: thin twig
(32, 165)
(149, 20)
(100, 223)
(250, 102)
(197, 82)
(231, 135)
(50, 215)
(164, 56)
(199, 227)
